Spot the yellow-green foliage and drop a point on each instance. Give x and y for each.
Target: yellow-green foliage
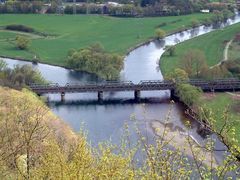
(22, 42)
(35, 144)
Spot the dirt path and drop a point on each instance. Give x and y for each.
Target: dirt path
(225, 54)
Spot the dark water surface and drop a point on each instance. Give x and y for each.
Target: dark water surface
(105, 121)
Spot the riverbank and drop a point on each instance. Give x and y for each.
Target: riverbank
(212, 45)
(213, 49)
(220, 103)
(178, 137)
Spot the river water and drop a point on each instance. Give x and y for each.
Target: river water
(105, 121)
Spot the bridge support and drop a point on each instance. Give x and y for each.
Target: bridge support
(173, 95)
(100, 95)
(137, 95)
(62, 96)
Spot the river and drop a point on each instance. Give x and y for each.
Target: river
(105, 121)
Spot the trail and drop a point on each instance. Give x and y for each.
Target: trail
(226, 50)
(225, 54)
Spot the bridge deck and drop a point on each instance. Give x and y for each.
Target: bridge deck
(217, 85)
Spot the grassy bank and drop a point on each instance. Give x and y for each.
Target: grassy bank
(212, 44)
(66, 32)
(218, 103)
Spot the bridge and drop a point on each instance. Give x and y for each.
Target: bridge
(231, 84)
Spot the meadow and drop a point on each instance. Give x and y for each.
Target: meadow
(221, 102)
(212, 44)
(66, 32)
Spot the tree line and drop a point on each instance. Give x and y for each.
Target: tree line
(127, 8)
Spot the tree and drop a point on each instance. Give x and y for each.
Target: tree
(160, 34)
(171, 50)
(193, 62)
(195, 23)
(188, 94)
(217, 17)
(95, 59)
(22, 42)
(177, 75)
(3, 65)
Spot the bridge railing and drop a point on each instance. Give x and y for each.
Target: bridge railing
(231, 83)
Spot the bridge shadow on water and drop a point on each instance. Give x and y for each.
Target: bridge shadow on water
(116, 101)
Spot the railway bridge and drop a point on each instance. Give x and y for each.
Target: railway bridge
(231, 84)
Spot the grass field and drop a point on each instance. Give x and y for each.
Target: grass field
(116, 34)
(212, 44)
(234, 51)
(218, 104)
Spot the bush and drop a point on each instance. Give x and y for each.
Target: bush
(19, 27)
(195, 23)
(171, 50)
(160, 34)
(22, 42)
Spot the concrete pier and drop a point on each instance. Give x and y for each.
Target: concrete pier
(62, 96)
(173, 95)
(100, 95)
(137, 95)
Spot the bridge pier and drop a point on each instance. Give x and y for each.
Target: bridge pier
(137, 95)
(62, 96)
(173, 95)
(100, 95)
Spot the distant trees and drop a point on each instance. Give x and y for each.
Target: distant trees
(160, 34)
(95, 59)
(126, 9)
(21, 7)
(22, 42)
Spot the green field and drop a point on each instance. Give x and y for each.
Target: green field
(234, 51)
(68, 31)
(212, 44)
(218, 104)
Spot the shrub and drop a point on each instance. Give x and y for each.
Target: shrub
(19, 27)
(195, 23)
(160, 34)
(22, 42)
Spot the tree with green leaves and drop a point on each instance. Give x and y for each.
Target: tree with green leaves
(193, 62)
(177, 75)
(160, 34)
(95, 59)
(22, 42)
(188, 94)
